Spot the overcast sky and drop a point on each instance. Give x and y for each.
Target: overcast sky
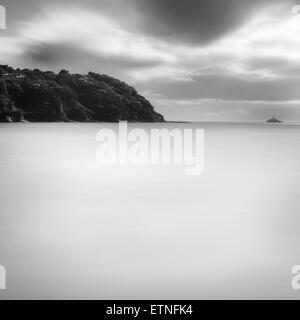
(193, 59)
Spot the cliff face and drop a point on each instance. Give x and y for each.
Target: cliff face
(34, 95)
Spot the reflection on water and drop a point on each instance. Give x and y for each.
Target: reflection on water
(70, 228)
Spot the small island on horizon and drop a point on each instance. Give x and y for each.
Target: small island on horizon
(274, 120)
(44, 96)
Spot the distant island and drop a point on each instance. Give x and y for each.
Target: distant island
(273, 120)
(37, 96)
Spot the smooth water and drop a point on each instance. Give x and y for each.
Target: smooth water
(70, 228)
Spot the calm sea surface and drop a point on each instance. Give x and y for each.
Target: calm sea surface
(70, 228)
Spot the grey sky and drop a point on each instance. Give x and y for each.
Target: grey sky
(194, 59)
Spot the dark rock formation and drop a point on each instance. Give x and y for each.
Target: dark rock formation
(273, 120)
(35, 95)
(8, 111)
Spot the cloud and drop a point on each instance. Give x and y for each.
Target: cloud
(227, 87)
(196, 21)
(78, 37)
(94, 33)
(259, 61)
(57, 56)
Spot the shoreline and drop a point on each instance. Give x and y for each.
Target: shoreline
(165, 122)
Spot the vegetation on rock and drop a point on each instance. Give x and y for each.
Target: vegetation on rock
(35, 95)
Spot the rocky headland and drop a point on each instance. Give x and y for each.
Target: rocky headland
(38, 96)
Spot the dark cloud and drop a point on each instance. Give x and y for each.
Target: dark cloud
(196, 21)
(56, 56)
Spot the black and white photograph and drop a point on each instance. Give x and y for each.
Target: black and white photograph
(149, 150)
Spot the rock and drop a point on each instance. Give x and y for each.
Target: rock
(274, 120)
(8, 111)
(35, 95)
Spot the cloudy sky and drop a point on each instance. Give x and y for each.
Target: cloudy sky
(195, 60)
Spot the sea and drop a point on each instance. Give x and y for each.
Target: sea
(71, 228)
